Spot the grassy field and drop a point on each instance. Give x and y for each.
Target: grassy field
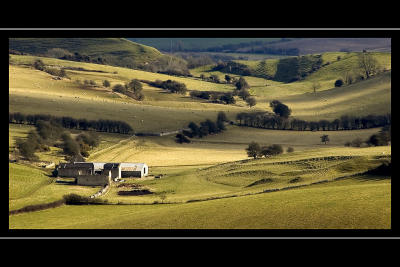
(319, 186)
(31, 186)
(190, 177)
(218, 168)
(364, 204)
(363, 98)
(32, 91)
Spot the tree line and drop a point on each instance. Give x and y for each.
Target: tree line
(169, 85)
(269, 120)
(216, 97)
(205, 128)
(39, 65)
(241, 89)
(49, 133)
(110, 126)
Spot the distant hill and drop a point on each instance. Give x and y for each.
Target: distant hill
(330, 65)
(195, 44)
(116, 51)
(322, 45)
(284, 46)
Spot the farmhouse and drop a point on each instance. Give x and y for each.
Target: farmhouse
(100, 173)
(75, 169)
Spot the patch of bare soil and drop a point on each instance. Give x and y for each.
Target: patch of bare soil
(132, 190)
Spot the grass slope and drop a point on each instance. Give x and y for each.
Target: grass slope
(33, 91)
(30, 186)
(371, 96)
(364, 204)
(109, 48)
(207, 173)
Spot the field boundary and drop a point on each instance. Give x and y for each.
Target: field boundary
(38, 207)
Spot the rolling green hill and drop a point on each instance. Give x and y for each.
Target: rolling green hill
(115, 50)
(209, 183)
(32, 92)
(334, 65)
(204, 197)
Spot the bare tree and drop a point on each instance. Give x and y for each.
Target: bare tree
(348, 77)
(368, 64)
(315, 86)
(163, 196)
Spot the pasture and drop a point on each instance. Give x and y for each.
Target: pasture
(210, 179)
(32, 91)
(30, 186)
(364, 204)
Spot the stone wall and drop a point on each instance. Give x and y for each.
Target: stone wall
(73, 172)
(93, 180)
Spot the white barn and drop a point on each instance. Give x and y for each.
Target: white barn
(134, 169)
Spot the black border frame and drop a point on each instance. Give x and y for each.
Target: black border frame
(193, 33)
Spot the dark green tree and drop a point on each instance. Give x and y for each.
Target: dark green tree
(194, 128)
(106, 83)
(242, 84)
(251, 101)
(280, 109)
(339, 83)
(324, 138)
(228, 79)
(253, 150)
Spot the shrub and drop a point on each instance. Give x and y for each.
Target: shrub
(241, 84)
(251, 101)
(243, 93)
(135, 86)
(272, 150)
(325, 138)
(296, 180)
(338, 83)
(290, 149)
(39, 65)
(106, 83)
(119, 88)
(27, 149)
(357, 142)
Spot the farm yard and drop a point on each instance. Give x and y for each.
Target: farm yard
(199, 184)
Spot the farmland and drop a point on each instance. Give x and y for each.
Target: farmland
(364, 204)
(210, 179)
